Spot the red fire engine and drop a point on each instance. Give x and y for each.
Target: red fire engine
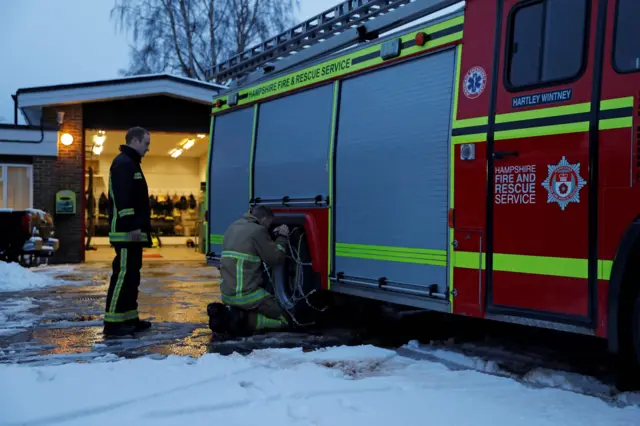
(478, 158)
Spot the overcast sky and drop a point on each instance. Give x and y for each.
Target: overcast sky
(46, 42)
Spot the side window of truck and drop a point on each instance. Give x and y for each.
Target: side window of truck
(626, 49)
(546, 42)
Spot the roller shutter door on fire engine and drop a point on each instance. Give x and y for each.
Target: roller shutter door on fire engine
(392, 170)
(229, 172)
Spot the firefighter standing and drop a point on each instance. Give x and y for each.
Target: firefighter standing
(246, 245)
(130, 226)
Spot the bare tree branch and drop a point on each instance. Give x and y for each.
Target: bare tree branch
(188, 37)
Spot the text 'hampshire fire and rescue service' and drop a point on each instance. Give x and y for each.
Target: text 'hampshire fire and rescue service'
(515, 184)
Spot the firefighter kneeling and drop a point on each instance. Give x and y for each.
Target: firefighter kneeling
(248, 306)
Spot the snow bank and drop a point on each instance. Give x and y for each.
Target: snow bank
(287, 387)
(14, 277)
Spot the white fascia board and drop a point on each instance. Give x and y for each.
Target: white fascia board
(117, 91)
(23, 140)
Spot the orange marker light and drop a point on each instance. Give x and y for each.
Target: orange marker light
(421, 38)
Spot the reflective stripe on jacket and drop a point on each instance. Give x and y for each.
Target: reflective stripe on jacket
(246, 245)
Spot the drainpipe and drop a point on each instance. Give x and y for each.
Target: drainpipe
(15, 109)
(15, 121)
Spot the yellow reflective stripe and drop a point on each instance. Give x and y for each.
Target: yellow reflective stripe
(123, 237)
(535, 265)
(615, 123)
(119, 281)
(240, 256)
(469, 122)
(477, 137)
(216, 239)
(239, 276)
(543, 113)
(121, 317)
(393, 254)
(617, 103)
(324, 71)
(558, 129)
(252, 297)
(550, 266)
(604, 269)
(126, 212)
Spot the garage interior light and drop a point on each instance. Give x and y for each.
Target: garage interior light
(175, 153)
(188, 144)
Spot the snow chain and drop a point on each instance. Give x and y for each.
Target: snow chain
(298, 293)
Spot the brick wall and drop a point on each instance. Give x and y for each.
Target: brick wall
(66, 172)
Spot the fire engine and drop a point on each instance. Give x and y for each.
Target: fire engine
(476, 158)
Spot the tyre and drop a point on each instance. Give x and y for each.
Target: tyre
(635, 328)
(296, 285)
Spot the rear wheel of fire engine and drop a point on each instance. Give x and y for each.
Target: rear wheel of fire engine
(296, 284)
(635, 329)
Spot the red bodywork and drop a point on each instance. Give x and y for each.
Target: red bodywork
(533, 228)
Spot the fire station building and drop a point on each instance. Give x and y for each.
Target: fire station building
(59, 160)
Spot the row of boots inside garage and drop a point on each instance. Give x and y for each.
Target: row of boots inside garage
(171, 215)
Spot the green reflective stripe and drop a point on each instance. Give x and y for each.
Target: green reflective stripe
(252, 297)
(616, 123)
(207, 186)
(535, 265)
(239, 276)
(544, 113)
(332, 143)
(618, 103)
(137, 175)
(119, 281)
(263, 322)
(393, 254)
(240, 256)
(126, 212)
(346, 64)
(216, 239)
(121, 317)
(124, 237)
(558, 129)
(604, 269)
(540, 265)
(476, 137)
(469, 122)
(281, 247)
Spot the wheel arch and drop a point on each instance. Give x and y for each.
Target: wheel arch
(621, 283)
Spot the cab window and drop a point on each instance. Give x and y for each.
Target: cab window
(626, 49)
(546, 42)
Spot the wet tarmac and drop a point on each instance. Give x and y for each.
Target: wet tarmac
(64, 323)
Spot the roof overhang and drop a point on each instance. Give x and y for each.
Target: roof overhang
(31, 100)
(28, 140)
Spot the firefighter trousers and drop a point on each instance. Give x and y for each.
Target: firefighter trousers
(263, 312)
(122, 297)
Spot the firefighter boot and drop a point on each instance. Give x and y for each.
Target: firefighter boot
(236, 322)
(217, 313)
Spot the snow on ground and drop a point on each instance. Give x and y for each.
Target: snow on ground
(337, 386)
(14, 277)
(15, 316)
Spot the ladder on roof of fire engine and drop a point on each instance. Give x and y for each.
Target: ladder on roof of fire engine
(349, 22)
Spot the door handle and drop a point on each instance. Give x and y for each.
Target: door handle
(499, 155)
